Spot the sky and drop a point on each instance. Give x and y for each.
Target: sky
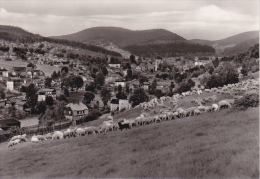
(191, 19)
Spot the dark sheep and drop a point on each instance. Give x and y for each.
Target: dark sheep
(123, 126)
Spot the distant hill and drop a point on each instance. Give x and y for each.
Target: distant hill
(245, 39)
(240, 47)
(16, 34)
(140, 42)
(122, 37)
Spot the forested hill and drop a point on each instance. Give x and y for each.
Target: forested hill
(16, 34)
(142, 42)
(122, 37)
(170, 49)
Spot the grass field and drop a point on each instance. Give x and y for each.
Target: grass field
(220, 144)
(47, 69)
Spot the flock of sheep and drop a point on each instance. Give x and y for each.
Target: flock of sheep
(154, 116)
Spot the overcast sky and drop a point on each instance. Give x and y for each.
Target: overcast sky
(190, 19)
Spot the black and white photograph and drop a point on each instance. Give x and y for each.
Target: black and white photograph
(129, 89)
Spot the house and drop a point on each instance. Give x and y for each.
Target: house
(114, 65)
(35, 74)
(6, 124)
(75, 111)
(114, 105)
(113, 77)
(44, 92)
(120, 82)
(146, 86)
(14, 83)
(124, 104)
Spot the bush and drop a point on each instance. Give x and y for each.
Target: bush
(249, 100)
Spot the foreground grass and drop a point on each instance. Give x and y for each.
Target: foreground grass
(213, 145)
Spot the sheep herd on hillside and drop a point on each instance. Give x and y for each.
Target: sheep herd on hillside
(151, 115)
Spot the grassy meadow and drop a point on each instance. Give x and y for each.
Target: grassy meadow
(220, 144)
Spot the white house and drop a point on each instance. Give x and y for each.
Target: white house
(114, 65)
(44, 92)
(124, 104)
(75, 110)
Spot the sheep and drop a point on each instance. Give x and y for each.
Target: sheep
(48, 136)
(156, 119)
(130, 122)
(13, 142)
(57, 135)
(224, 104)
(196, 112)
(110, 118)
(41, 137)
(123, 126)
(21, 137)
(66, 134)
(215, 107)
(34, 139)
(80, 132)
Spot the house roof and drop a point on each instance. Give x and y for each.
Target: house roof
(77, 106)
(46, 90)
(114, 101)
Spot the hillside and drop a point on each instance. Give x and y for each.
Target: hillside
(142, 42)
(122, 37)
(16, 34)
(241, 41)
(240, 47)
(213, 145)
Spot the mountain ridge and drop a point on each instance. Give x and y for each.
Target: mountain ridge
(122, 37)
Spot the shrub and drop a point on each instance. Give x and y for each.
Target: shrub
(249, 100)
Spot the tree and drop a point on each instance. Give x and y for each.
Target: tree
(215, 62)
(49, 101)
(59, 111)
(121, 95)
(64, 69)
(138, 97)
(129, 74)
(54, 75)
(119, 88)
(88, 97)
(31, 65)
(158, 93)
(100, 79)
(132, 59)
(105, 95)
(90, 87)
(244, 71)
(78, 82)
(62, 97)
(47, 82)
(31, 97)
(41, 107)
(66, 92)
(142, 79)
(2, 94)
(104, 70)
(153, 86)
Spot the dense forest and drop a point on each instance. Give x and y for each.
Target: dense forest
(172, 49)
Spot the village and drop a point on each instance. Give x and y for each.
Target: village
(120, 76)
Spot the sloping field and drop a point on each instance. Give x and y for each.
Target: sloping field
(220, 144)
(47, 69)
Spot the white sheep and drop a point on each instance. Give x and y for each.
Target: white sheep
(224, 103)
(215, 107)
(12, 143)
(34, 139)
(57, 135)
(80, 132)
(48, 136)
